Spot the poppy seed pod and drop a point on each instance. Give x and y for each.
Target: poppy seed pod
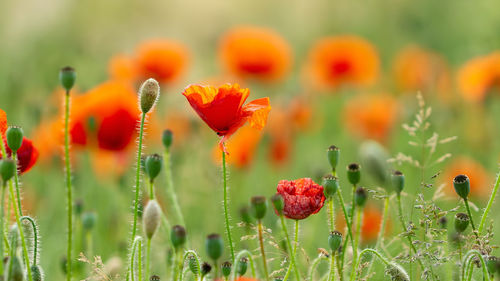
(205, 269)
(242, 266)
(461, 183)
(153, 165)
(335, 240)
(461, 222)
(192, 263)
(7, 169)
(226, 268)
(88, 220)
(245, 215)
(37, 273)
(278, 278)
(354, 173)
(154, 278)
(14, 138)
(67, 77)
(148, 94)
(333, 154)
(491, 264)
(167, 137)
(278, 203)
(330, 185)
(360, 197)
(178, 236)
(398, 181)
(443, 222)
(214, 246)
(259, 206)
(151, 218)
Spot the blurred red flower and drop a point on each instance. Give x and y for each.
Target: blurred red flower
(303, 197)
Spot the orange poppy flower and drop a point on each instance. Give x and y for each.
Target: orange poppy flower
(372, 217)
(416, 69)
(122, 67)
(479, 177)
(254, 52)
(222, 108)
(281, 136)
(164, 60)
(371, 116)
(342, 60)
(480, 76)
(3, 122)
(241, 147)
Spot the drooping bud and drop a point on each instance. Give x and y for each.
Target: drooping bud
(374, 160)
(461, 222)
(205, 269)
(153, 165)
(245, 215)
(14, 138)
(242, 266)
(333, 155)
(167, 138)
(360, 197)
(491, 264)
(278, 203)
(193, 266)
(88, 220)
(259, 206)
(461, 183)
(396, 272)
(443, 222)
(151, 218)
(398, 181)
(67, 77)
(354, 173)
(148, 94)
(178, 236)
(330, 185)
(226, 268)
(7, 169)
(335, 240)
(37, 273)
(214, 246)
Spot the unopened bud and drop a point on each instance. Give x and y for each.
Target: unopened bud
(242, 266)
(396, 272)
(16, 269)
(151, 218)
(37, 273)
(167, 138)
(88, 220)
(193, 264)
(245, 215)
(14, 138)
(7, 169)
(148, 94)
(214, 246)
(278, 203)
(491, 264)
(178, 236)
(360, 197)
(152, 165)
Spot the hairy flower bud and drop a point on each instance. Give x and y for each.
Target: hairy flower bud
(151, 218)
(242, 266)
(396, 272)
(149, 94)
(214, 246)
(461, 183)
(259, 206)
(193, 264)
(14, 138)
(37, 273)
(7, 169)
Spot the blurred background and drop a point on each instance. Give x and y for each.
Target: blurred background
(336, 72)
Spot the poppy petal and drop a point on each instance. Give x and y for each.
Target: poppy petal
(258, 111)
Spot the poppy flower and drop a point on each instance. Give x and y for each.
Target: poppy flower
(342, 60)
(161, 59)
(480, 179)
(370, 228)
(222, 108)
(479, 77)
(371, 116)
(254, 52)
(241, 147)
(122, 67)
(3, 122)
(302, 197)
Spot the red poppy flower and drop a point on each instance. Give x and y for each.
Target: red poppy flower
(3, 122)
(303, 197)
(223, 110)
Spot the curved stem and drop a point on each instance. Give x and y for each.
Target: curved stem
(262, 250)
(250, 260)
(187, 254)
(293, 262)
(490, 203)
(358, 259)
(69, 188)
(16, 183)
(226, 212)
(35, 237)
(172, 196)
(468, 260)
(314, 265)
(137, 244)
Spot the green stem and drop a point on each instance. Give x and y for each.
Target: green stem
(69, 195)
(314, 265)
(226, 215)
(466, 202)
(187, 254)
(291, 250)
(35, 236)
(262, 251)
(357, 233)
(490, 203)
(172, 196)
(332, 267)
(151, 190)
(148, 257)
(16, 182)
(136, 244)
(250, 260)
(381, 231)
(358, 259)
(2, 211)
(349, 229)
(331, 214)
(467, 262)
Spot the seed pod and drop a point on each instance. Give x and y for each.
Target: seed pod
(37, 273)
(214, 246)
(443, 222)
(193, 266)
(148, 94)
(398, 181)
(151, 218)
(153, 165)
(7, 169)
(226, 269)
(205, 269)
(461, 222)
(88, 220)
(461, 183)
(245, 215)
(396, 272)
(259, 206)
(360, 197)
(67, 77)
(14, 138)
(278, 203)
(278, 278)
(354, 173)
(330, 185)
(491, 264)
(242, 266)
(333, 155)
(154, 278)
(167, 138)
(178, 236)
(335, 240)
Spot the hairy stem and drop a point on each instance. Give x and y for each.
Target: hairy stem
(250, 260)
(314, 265)
(381, 231)
(172, 196)
(187, 254)
(262, 250)
(490, 203)
(331, 214)
(69, 188)
(358, 259)
(18, 189)
(226, 212)
(293, 263)
(35, 236)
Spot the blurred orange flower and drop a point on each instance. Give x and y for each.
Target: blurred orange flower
(479, 77)
(164, 60)
(255, 52)
(372, 217)
(122, 67)
(342, 60)
(179, 123)
(3, 122)
(479, 177)
(241, 147)
(417, 69)
(371, 116)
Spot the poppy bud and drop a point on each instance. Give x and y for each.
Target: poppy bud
(178, 236)
(360, 197)
(259, 206)
(16, 269)
(78, 206)
(154, 278)
(148, 94)
(193, 264)
(443, 222)
(226, 269)
(461, 222)
(36, 273)
(333, 154)
(152, 165)
(330, 185)
(242, 266)
(398, 181)
(214, 246)
(278, 203)
(88, 220)
(396, 272)
(461, 183)
(67, 77)
(151, 218)
(374, 159)
(205, 269)
(7, 169)
(245, 215)
(491, 264)
(167, 138)
(335, 240)
(354, 173)
(14, 138)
